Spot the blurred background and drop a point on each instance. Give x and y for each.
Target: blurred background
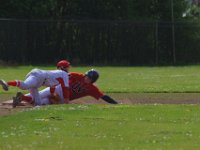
(100, 32)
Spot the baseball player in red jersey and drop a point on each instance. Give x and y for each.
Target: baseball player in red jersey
(80, 85)
(37, 78)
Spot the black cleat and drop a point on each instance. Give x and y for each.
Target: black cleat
(4, 85)
(17, 100)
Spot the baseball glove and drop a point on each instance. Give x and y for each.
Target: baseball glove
(54, 99)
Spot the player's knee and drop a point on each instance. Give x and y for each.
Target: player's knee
(23, 86)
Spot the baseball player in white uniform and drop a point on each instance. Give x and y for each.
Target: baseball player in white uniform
(37, 78)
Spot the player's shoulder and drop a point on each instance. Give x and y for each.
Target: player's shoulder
(76, 74)
(59, 72)
(93, 87)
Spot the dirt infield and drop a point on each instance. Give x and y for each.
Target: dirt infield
(123, 98)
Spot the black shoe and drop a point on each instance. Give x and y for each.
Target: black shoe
(4, 85)
(17, 100)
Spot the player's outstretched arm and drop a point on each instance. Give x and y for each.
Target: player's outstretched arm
(108, 99)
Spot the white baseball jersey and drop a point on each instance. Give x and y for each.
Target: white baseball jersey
(49, 78)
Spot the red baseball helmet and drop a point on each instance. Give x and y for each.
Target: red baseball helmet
(63, 63)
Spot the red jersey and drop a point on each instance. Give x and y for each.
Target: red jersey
(78, 88)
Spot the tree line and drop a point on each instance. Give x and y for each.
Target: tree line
(100, 31)
(93, 9)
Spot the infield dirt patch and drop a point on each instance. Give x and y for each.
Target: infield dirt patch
(123, 98)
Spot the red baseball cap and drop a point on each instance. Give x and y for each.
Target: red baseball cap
(63, 63)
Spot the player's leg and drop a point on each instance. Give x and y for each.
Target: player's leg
(45, 101)
(30, 82)
(58, 91)
(5, 84)
(45, 93)
(36, 97)
(17, 83)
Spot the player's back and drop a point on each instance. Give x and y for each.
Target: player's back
(76, 76)
(55, 77)
(50, 77)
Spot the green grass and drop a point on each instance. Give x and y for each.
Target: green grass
(110, 127)
(102, 127)
(129, 79)
(151, 79)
